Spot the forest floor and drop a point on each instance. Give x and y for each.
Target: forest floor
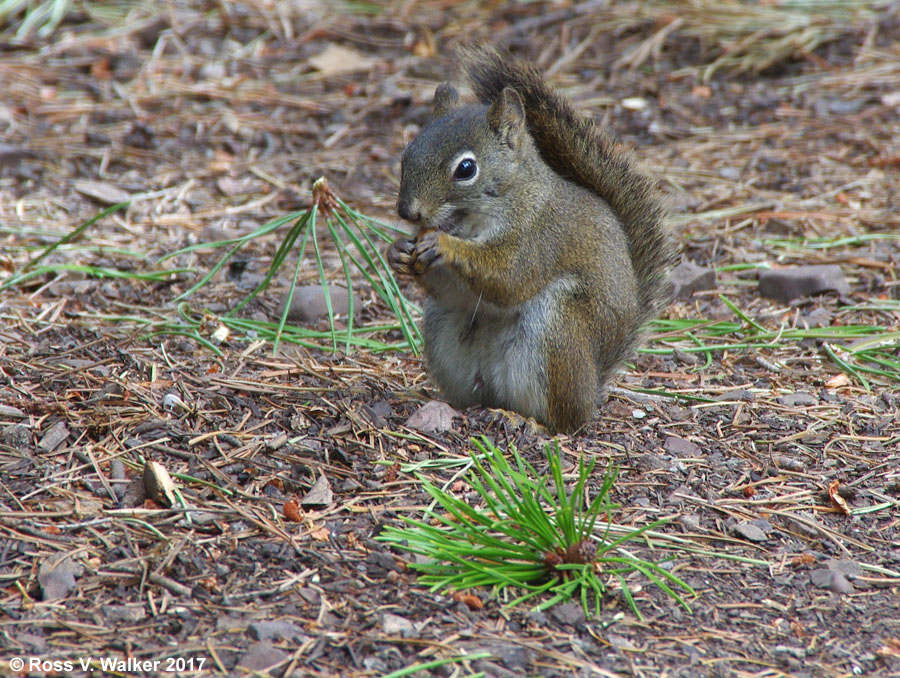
(775, 133)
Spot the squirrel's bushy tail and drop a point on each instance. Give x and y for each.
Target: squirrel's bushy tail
(577, 149)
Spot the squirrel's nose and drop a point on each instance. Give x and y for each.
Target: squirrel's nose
(409, 209)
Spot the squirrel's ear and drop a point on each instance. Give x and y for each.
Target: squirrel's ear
(445, 98)
(506, 116)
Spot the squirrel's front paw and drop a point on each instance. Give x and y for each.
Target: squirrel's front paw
(427, 253)
(399, 255)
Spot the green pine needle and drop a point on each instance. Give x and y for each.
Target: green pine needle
(532, 534)
(358, 240)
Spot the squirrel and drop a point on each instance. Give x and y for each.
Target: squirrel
(541, 246)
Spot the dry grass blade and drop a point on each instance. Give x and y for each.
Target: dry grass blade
(747, 37)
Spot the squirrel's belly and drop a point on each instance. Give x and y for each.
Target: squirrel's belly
(493, 360)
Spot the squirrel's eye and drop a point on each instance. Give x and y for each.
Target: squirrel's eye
(466, 169)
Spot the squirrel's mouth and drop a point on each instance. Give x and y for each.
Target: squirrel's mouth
(445, 225)
(449, 223)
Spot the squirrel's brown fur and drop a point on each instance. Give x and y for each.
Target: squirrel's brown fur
(577, 149)
(541, 246)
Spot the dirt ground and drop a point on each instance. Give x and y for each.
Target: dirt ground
(214, 118)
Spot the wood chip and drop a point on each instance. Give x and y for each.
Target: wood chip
(335, 59)
(102, 192)
(54, 437)
(319, 495)
(158, 484)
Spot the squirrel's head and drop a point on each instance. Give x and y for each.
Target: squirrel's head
(465, 160)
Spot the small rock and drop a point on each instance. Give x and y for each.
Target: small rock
(376, 413)
(17, 436)
(798, 399)
(512, 656)
(310, 595)
(818, 317)
(678, 413)
(276, 630)
(790, 463)
(786, 284)
(681, 447)
(848, 568)
(308, 303)
(688, 277)
(537, 617)
(382, 561)
(320, 493)
(261, 656)
(807, 527)
(337, 60)
(689, 522)
(395, 625)
(375, 665)
(571, 614)
(57, 578)
(124, 613)
(833, 581)
(750, 532)
(432, 417)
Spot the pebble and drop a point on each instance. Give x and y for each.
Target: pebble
(569, 613)
(750, 532)
(790, 463)
(275, 630)
(261, 656)
(432, 417)
(308, 303)
(798, 399)
(395, 625)
(688, 277)
(681, 447)
(833, 581)
(786, 284)
(320, 494)
(57, 580)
